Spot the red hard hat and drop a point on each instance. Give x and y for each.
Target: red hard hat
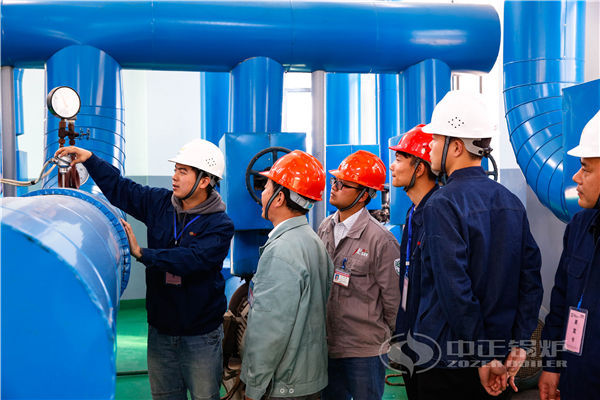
(363, 168)
(300, 172)
(415, 142)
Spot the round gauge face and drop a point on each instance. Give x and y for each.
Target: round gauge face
(64, 102)
(83, 173)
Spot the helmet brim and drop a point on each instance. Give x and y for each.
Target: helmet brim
(583, 152)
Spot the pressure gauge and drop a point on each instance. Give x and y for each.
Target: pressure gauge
(63, 102)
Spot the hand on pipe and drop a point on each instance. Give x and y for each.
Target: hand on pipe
(134, 248)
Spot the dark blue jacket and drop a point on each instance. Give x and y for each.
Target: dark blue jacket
(481, 270)
(198, 304)
(579, 263)
(405, 321)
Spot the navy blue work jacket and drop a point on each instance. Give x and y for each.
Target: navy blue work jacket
(197, 305)
(405, 321)
(579, 268)
(481, 278)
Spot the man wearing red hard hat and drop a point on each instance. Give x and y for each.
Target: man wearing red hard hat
(411, 170)
(362, 307)
(285, 349)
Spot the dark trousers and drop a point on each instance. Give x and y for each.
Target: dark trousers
(359, 378)
(455, 383)
(411, 386)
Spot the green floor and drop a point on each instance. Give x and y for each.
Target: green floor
(131, 355)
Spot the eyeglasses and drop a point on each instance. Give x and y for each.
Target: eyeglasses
(339, 185)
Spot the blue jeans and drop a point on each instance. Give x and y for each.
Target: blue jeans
(359, 378)
(177, 364)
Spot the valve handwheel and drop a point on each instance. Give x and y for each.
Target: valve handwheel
(251, 172)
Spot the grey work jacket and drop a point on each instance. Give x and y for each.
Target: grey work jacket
(285, 339)
(361, 316)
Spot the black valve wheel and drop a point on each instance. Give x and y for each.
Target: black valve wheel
(494, 171)
(253, 177)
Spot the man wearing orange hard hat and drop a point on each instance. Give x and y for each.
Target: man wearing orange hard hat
(285, 348)
(362, 306)
(411, 170)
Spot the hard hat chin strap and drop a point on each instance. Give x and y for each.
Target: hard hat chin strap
(414, 176)
(355, 200)
(443, 175)
(275, 193)
(191, 192)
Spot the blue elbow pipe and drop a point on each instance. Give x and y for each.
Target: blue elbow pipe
(545, 57)
(216, 35)
(61, 282)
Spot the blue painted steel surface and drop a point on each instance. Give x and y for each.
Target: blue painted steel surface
(59, 314)
(251, 228)
(299, 34)
(256, 96)
(239, 149)
(580, 104)
(420, 88)
(545, 57)
(97, 78)
(214, 105)
(388, 111)
(342, 104)
(334, 155)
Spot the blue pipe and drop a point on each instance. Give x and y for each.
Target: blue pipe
(545, 57)
(61, 282)
(216, 35)
(214, 105)
(342, 105)
(256, 96)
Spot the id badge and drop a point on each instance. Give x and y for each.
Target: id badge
(404, 292)
(171, 279)
(341, 277)
(251, 294)
(575, 330)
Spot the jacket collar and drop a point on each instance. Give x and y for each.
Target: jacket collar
(360, 224)
(467, 173)
(285, 226)
(417, 216)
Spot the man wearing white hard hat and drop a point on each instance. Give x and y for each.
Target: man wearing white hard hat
(574, 305)
(481, 287)
(188, 239)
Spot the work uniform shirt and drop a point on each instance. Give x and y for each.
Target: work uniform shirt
(185, 290)
(362, 315)
(405, 321)
(481, 278)
(285, 340)
(578, 270)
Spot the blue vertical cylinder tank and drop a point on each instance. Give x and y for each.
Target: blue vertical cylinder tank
(96, 76)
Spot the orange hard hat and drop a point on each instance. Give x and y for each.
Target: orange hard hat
(415, 142)
(363, 168)
(301, 173)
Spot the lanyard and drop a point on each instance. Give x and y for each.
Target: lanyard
(175, 235)
(587, 276)
(408, 242)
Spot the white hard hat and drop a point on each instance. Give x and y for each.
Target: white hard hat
(589, 144)
(461, 114)
(202, 154)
